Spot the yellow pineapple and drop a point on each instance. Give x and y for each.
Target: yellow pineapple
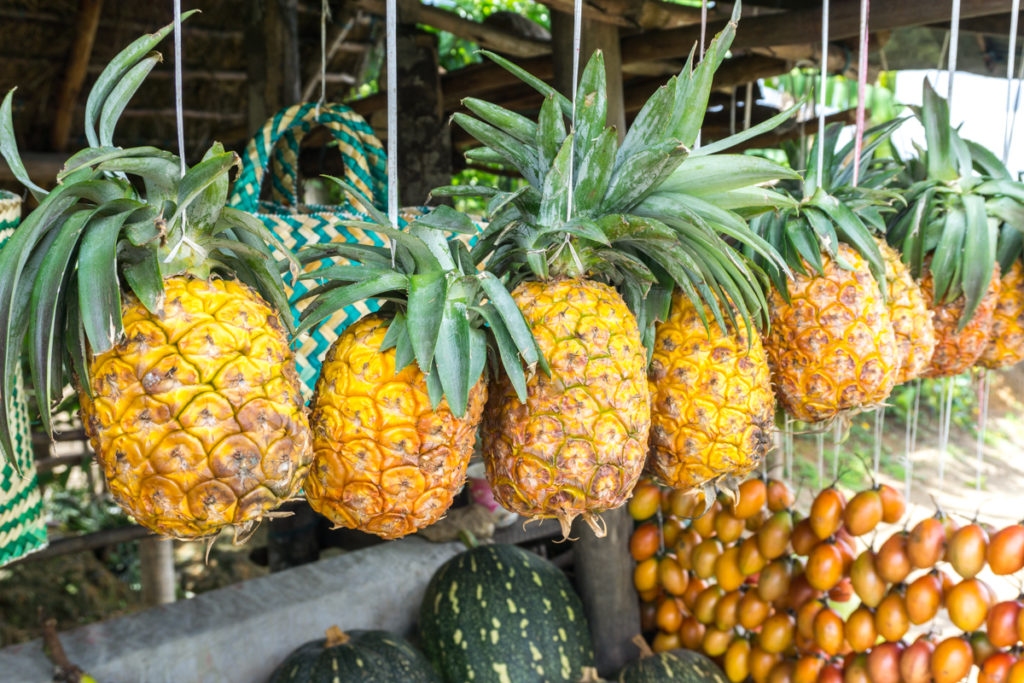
(713, 409)
(186, 381)
(958, 348)
(578, 444)
(1006, 342)
(832, 345)
(911, 317)
(196, 415)
(385, 461)
(391, 441)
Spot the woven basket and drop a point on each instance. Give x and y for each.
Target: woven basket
(22, 525)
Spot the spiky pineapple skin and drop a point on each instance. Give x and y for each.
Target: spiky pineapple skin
(955, 350)
(1006, 342)
(577, 445)
(384, 461)
(712, 406)
(832, 347)
(196, 415)
(911, 317)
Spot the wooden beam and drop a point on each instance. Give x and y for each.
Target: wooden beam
(156, 567)
(86, 23)
(473, 31)
(90, 541)
(795, 27)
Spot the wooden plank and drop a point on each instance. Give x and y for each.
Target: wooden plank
(795, 27)
(473, 31)
(86, 23)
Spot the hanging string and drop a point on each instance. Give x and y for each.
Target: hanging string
(700, 56)
(945, 417)
(862, 87)
(821, 103)
(787, 447)
(732, 113)
(984, 386)
(1016, 101)
(908, 461)
(837, 436)
(179, 109)
(748, 105)
(821, 458)
(1010, 57)
(391, 39)
(577, 33)
(954, 44)
(325, 15)
(879, 432)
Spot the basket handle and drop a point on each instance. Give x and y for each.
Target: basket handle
(266, 159)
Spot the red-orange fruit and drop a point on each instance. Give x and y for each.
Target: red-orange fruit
(705, 524)
(860, 630)
(800, 591)
(855, 669)
(704, 556)
(750, 559)
(824, 566)
(826, 513)
(645, 541)
(807, 669)
(952, 660)
(1016, 674)
(687, 541)
(728, 527)
(1006, 550)
(694, 587)
(981, 647)
(843, 591)
(753, 494)
(663, 642)
(691, 633)
(727, 569)
(867, 583)
(727, 611)
(923, 598)
(671, 576)
(736, 661)
(687, 503)
(916, 661)
(891, 620)
(645, 501)
(777, 633)
(648, 616)
(715, 642)
(803, 538)
(669, 617)
(828, 631)
(830, 673)
(1001, 623)
(966, 550)
(782, 672)
(891, 560)
(761, 663)
(779, 496)
(893, 504)
(926, 543)
(773, 583)
(704, 605)
(645, 575)
(884, 663)
(996, 669)
(773, 536)
(863, 513)
(968, 603)
(805, 618)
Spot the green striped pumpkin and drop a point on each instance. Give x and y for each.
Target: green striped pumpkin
(500, 614)
(679, 666)
(355, 657)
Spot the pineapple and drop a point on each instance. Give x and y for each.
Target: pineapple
(592, 277)
(1006, 342)
(948, 237)
(155, 305)
(713, 406)
(911, 317)
(392, 441)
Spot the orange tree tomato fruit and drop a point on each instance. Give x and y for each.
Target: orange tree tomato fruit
(967, 549)
(645, 575)
(753, 495)
(863, 513)
(750, 559)
(687, 504)
(645, 541)
(704, 556)
(779, 496)
(704, 606)
(716, 641)
(752, 610)
(645, 501)
(671, 576)
(996, 669)
(728, 527)
(805, 618)
(884, 662)
(968, 603)
(860, 631)
(777, 633)
(803, 538)
(806, 669)
(893, 504)
(826, 513)
(665, 641)
(669, 617)
(773, 582)
(916, 661)
(828, 631)
(952, 660)
(761, 663)
(774, 535)
(736, 661)
(727, 610)
(691, 633)
(892, 562)
(867, 583)
(727, 569)
(1001, 623)
(924, 597)
(824, 566)
(891, 620)
(705, 524)
(1005, 553)
(926, 543)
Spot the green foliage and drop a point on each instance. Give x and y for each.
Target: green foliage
(455, 52)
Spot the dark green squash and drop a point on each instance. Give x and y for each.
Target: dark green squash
(499, 613)
(678, 666)
(355, 657)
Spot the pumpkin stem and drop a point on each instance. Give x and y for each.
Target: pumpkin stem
(468, 538)
(336, 637)
(641, 644)
(590, 675)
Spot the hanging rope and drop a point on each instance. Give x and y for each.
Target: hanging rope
(821, 102)
(1011, 110)
(984, 386)
(1016, 101)
(908, 461)
(821, 458)
(787, 447)
(954, 44)
(879, 431)
(325, 15)
(179, 109)
(862, 88)
(837, 436)
(748, 105)
(577, 33)
(391, 40)
(700, 56)
(945, 417)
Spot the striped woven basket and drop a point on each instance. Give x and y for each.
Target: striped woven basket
(272, 156)
(22, 525)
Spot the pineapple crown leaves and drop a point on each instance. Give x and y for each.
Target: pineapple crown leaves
(96, 234)
(957, 197)
(444, 311)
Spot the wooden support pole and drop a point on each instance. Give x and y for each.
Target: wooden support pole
(604, 567)
(86, 23)
(156, 557)
(424, 140)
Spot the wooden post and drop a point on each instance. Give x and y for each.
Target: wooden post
(272, 58)
(86, 23)
(424, 140)
(156, 555)
(604, 567)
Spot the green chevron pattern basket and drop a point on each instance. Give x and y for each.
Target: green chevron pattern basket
(272, 157)
(22, 525)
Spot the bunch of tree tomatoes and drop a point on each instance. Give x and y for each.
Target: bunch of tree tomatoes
(776, 597)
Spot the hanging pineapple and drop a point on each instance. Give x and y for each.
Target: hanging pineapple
(392, 441)
(832, 344)
(159, 306)
(948, 241)
(592, 274)
(1005, 204)
(911, 317)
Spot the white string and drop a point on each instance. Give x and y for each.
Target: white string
(748, 105)
(908, 461)
(821, 104)
(700, 57)
(945, 415)
(1010, 57)
(984, 388)
(879, 432)
(732, 113)
(391, 38)
(325, 15)
(837, 436)
(862, 79)
(1016, 101)
(787, 447)
(179, 109)
(577, 34)
(821, 459)
(954, 43)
